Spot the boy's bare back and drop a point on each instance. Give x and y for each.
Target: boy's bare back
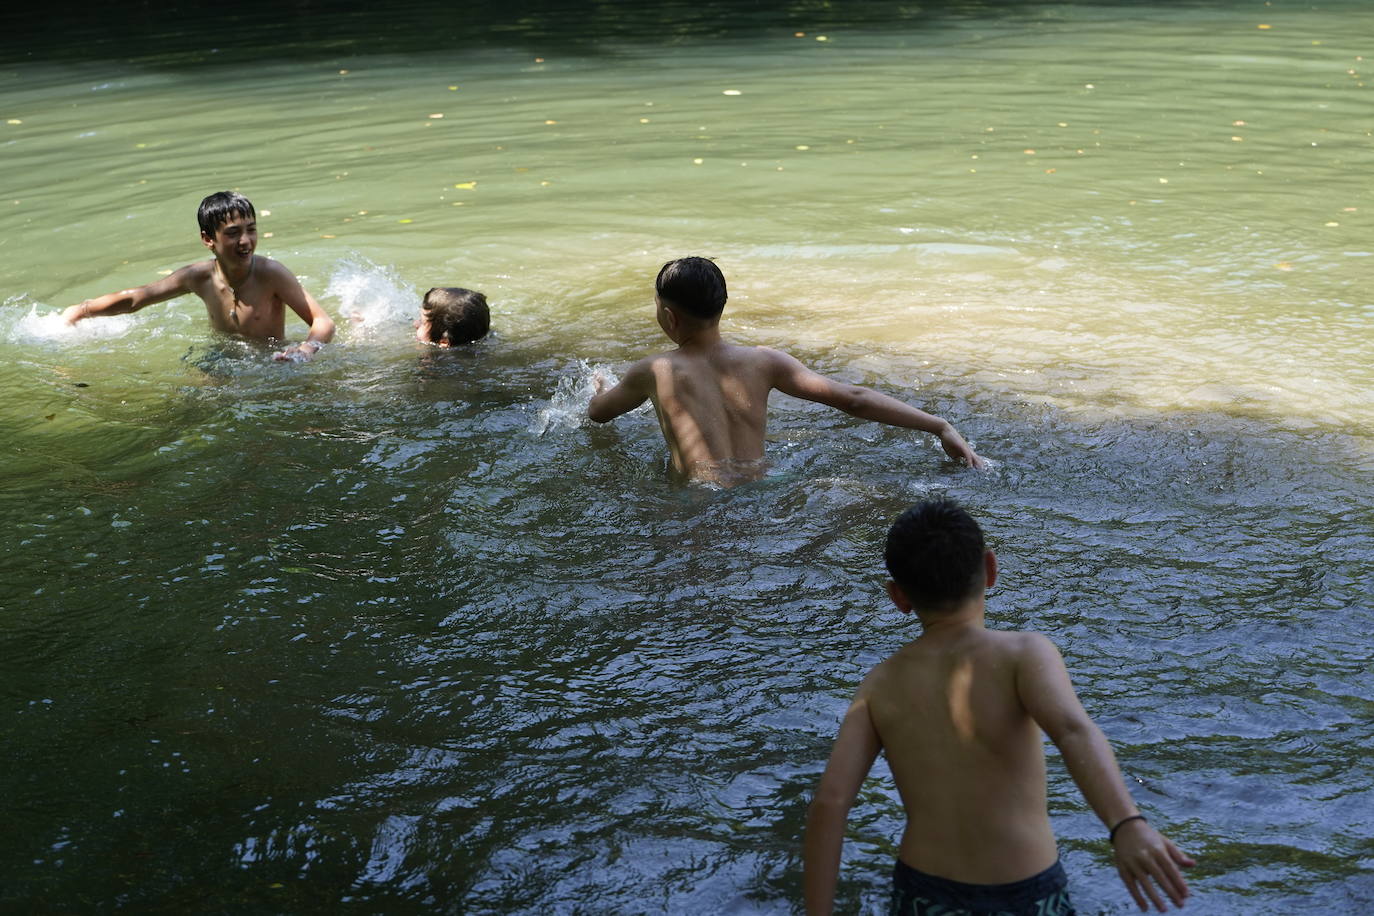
(965, 754)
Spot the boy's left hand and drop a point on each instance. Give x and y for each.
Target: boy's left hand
(297, 354)
(956, 448)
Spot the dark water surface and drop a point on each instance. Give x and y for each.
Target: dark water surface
(395, 631)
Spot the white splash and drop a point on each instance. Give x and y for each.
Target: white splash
(39, 325)
(371, 296)
(567, 409)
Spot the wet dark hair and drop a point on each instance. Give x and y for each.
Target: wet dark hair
(219, 208)
(935, 553)
(694, 285)
(456, 314)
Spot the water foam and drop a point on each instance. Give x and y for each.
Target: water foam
(567, 409)
(371, 296)
(40, 326)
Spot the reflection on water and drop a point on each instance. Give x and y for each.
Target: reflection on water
(394, 630)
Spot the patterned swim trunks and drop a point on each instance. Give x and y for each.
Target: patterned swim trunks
(915, 893)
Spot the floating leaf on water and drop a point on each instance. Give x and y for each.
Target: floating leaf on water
(264, 213)
(1238, 139)
(1284, 265)
(405, 220)
(798, 34)
(1050, 171)
(803, 148)
(343, 73)
(643, 120)
(697, 161)
(1264, 25)
(1089, 86)
(550, 122)
(545, 184)
(164, 273)
(822, 38)
(466, 185)
(1237, 123)
(1163, 181)
(732, 92)
(452, 88)
(1348, 209)
(14, 121)
(1028, 152)
(335, 236)
(50, 416)
(267, 235)
(1333, 224)
(435, 117)
(539, 60)
(1063, 124)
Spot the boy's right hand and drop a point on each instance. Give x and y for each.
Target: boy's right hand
(1142, 854)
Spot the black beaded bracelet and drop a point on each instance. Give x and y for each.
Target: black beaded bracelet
(1111, 835)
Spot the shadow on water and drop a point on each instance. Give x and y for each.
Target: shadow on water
(185, 36)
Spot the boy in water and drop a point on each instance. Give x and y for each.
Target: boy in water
(450, 315)
(959, 713)
(244, 293)
(711, 396)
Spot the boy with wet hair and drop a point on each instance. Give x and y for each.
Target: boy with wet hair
(959, 713)
(451, 315)
(711, 396)
(244, 292)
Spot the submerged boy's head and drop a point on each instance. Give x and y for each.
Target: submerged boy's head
(220, 208)
(693, 286)
(935, 555)
(451, 315)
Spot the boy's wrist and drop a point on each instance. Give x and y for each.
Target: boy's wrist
(1111, 834)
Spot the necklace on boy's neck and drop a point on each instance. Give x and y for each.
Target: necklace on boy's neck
(234, 287)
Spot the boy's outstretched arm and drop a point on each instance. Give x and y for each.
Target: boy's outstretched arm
(790, 376)
(629, 393)
(1144, 856)
(131, 300)
(852, 757)
(309, 311)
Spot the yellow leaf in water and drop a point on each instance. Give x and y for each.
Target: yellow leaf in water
(539, 60)
(1029, 152)
(1333, 224)
(1348, 209)
(362, 213)
(1238, 139)
(643, 120)
(164, 273)
(1264, 26)
(405, 220)
(697, 161)
(821, 38)
(452, 88)
(803, 148)
(466, 185)
(343, 73)
(267, 235)
(732, 92)
(14, 121)
(798, 34)
(1063, 124)
(1049, 171)
(1237, 123)
(334, 236)
(264, 213)
(545, 184)
(1163, 181)
(1284, 265)
(435, 117)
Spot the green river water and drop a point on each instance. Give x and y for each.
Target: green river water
(397, 631)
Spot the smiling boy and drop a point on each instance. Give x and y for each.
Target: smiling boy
(244, 292)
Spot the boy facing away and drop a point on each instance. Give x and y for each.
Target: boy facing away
(711, 396)
(244, 292)
(451, 315)
(959, 712)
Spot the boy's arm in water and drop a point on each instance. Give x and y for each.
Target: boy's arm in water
(125, 301)
(856, 748)
(790, 376)
(632, 390)
(1141, 852)
(304, 305)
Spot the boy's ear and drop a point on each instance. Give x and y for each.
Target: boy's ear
(207, 240)
(989, 569)
(899, 598)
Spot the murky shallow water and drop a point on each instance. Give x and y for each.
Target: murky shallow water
(394, 631)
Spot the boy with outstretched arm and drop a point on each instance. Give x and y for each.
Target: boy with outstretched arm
(959, 713)
(711, 396)
(244, 292)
